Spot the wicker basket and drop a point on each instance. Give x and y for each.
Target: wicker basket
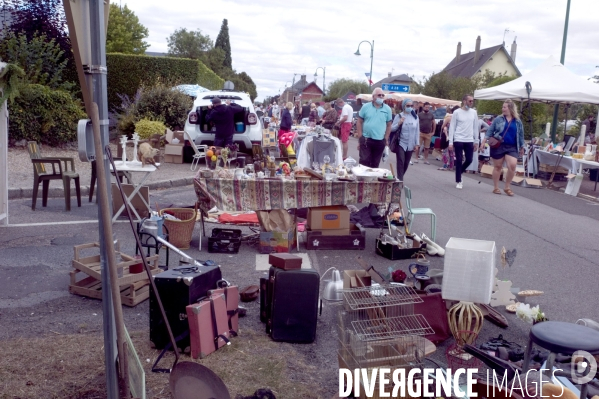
(180, 231)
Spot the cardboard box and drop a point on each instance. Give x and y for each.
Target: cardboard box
(179, 136)
(173, 153)
(137, 202)
(328, 217)
(348, 275)
(276, 241)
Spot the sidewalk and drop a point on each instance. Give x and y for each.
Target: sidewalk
(20, 173)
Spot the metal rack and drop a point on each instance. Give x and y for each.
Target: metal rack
(377, 328)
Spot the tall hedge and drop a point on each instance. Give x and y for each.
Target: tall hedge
(126, 73)
(44, 115)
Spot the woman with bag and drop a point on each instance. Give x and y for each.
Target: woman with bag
(406, 136)
(506, 139)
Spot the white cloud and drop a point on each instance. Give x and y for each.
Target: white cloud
(272, 40)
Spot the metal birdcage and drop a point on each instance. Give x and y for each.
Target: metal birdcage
(377, 327)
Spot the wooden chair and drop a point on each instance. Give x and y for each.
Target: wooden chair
(43, 175)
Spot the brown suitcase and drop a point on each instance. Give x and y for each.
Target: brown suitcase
(232, 299)
(208, 326)
(285, 261)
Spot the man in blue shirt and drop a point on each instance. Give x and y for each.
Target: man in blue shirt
(373, 129)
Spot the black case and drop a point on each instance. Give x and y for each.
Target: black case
(264, 311)
(179, 287)
(293, 304)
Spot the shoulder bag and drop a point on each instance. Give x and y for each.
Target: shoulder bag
(394, 140)
(495, 143)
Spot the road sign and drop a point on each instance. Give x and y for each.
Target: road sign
(395, 88)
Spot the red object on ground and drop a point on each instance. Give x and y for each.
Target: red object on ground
(137, 268)
(244, 218)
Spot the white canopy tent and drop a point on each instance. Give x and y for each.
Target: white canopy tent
(551, 83)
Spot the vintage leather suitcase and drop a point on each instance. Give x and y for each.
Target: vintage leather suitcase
(179, 287)
(208, 325)
(293, 304)
(232, 299)
(285, 261)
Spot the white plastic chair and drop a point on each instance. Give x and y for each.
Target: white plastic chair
(199, 152)
(419, 211)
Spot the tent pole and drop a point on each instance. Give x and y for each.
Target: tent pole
(562, 58)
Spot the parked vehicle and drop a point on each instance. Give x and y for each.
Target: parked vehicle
(202, 132)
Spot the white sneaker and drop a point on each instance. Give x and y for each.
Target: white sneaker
(459, 185)
(420, 157)
(411, 163)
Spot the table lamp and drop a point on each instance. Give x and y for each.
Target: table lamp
(468, 277)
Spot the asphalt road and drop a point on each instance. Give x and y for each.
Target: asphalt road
(555, 236)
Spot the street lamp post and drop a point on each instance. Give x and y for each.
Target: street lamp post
(286, 92)
(371, 57)
(292, 87)
(324, 71)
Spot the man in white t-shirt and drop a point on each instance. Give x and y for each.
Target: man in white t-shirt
(463, 136)
(275, 112)
(345, 121)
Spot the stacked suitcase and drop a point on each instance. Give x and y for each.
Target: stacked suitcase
(289, 300)
(178, 288)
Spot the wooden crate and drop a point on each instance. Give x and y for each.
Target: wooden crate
(131, 294)
(549, 169)
(91, 266)
(86, 276)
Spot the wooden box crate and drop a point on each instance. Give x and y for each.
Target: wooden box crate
(134, 287)
(549, 169)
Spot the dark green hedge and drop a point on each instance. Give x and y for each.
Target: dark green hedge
(126, 73)
(45, 115)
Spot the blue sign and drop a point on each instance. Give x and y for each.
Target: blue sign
(395, 88)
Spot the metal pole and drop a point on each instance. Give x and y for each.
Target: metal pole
(371, 58)
(562, 58)
(111, 304)
(324, 72)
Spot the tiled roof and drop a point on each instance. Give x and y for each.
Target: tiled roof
(466, 68)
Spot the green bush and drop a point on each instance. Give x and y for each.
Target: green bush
(163, 103)
(146, 128)
(127, 73)
(44, 115)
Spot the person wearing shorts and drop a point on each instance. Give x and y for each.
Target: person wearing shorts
(427, 129)
(509, 130)
(345, 122)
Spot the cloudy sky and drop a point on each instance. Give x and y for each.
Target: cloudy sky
(273, 40)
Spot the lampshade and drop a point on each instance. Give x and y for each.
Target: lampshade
(468, 270)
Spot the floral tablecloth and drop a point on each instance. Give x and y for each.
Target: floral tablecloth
(252, 195)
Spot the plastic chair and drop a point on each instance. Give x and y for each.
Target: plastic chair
(43, 175)
(199, 152)
(419, 211)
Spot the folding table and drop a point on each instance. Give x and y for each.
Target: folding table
(129, 170)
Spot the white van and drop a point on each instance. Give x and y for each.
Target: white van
(203, 133)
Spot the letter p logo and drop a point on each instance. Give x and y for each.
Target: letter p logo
(587, 362)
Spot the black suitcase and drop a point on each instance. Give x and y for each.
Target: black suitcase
(179, 287)
(264, 309)
(293, 305)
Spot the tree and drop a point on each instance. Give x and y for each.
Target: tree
(243, 82)
(125, 34)
(444, 85)
(41, 59)
(341, 86)
(222, 42)
(188, 44)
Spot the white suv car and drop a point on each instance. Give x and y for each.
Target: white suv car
(202, 133)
